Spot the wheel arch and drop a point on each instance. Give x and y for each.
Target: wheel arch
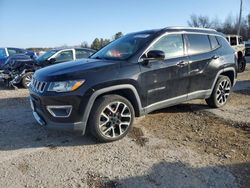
(127, 91)
(230, 75)
(229, 71)
(240, 54)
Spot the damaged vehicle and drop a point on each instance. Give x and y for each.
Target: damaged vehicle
(5, 53)
(18, 69)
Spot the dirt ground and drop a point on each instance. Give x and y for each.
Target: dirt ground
(188, 145)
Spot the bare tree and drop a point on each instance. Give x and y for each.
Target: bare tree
(199, 21)
(84, 44)
(229, 26)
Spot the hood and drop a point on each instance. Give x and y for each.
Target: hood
(73, 69)
(17, 61)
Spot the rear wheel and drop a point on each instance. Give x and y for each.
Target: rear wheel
(111, 118)
(27, 79)
(241, 64)
(220, 92)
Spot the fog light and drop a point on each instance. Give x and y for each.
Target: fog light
(60, 111)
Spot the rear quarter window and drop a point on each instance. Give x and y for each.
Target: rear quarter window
(214, 42)
(225, 44)
(198, 43)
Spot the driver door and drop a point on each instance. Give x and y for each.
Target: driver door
(166, 81)
(64, 56)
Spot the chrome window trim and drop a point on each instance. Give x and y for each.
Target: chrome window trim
(50, 107)
(181, 33)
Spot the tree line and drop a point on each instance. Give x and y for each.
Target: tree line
(228, 26)
(101, 42)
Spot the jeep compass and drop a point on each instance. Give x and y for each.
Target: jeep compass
(132, 76)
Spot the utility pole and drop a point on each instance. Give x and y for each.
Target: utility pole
(239, 24)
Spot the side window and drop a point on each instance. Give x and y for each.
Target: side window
(82, 53)
(225, 44)
(198, 43)
(20, 51)
(64, 56)
(171, 45)
(11, 51)
(214, 42)
(240, 40)
(233, 41)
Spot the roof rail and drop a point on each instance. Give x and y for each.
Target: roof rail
(196, 28)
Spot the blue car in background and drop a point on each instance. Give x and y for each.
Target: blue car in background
(6, 52)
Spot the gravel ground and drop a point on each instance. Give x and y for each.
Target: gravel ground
(188, 145)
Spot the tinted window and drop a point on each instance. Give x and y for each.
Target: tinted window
(214, 42)
(240, 40)
(198, 43)
(64, 56)
(233, 41)
(171, 45)
(11, 51)
(80, 53)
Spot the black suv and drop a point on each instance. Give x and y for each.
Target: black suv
(132, 76)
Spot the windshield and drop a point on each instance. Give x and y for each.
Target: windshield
(2, 53)
(122, 48)
(46, 55)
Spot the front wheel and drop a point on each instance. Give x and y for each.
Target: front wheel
(27, 79)
(111, 118)
(220, 92)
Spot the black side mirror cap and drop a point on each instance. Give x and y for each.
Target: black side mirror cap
(153, 55)
(52, 60)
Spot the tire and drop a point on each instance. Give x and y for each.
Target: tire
(220, 94)
(27, 79)
(111, 118)
(241, 64)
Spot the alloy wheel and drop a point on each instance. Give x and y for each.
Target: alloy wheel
(27, 80)
(223, 91)
(115, 119)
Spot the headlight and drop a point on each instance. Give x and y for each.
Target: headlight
(65, 86)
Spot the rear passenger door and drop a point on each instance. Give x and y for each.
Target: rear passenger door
(82, 53)
(202, 58)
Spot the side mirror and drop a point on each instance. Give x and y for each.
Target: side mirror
(153, 55)
(52, 60)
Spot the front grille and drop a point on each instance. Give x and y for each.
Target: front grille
(38, 86)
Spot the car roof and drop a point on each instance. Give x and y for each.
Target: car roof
(67, 48)
(179, 29)
(191, 29)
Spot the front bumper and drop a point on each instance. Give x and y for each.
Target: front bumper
(41, 118)
(43, 103)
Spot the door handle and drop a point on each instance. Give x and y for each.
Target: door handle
(182, 63)
(215, 57)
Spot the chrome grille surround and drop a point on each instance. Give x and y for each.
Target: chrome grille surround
(38, 86)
